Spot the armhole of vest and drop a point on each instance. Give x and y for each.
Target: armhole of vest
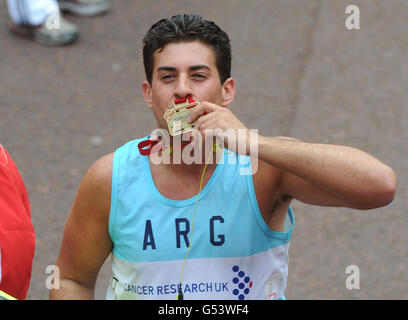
(285, 236)
(114, 193)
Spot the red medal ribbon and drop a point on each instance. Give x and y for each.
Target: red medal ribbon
(146, 146)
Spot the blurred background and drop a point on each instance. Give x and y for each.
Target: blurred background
(299, 71)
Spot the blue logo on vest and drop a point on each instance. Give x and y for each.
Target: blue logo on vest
(242, 282)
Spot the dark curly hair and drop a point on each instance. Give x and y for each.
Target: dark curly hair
(183, 28)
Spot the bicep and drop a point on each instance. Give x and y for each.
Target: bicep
(86, 242)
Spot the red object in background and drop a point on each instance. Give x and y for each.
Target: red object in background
(17, 237)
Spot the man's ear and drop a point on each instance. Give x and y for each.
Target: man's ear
(147, 93)
(228, 92)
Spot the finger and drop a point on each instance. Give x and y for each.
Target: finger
(204, 120)
(205, 116)
(202, 109)
(210, 123)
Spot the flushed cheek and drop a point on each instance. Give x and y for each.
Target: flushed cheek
(210, 94)
(161, 104)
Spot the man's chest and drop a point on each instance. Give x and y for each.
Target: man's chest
(265, 183)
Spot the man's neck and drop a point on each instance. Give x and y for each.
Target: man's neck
(185, 160)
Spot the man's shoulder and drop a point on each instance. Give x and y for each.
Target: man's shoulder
(95, 188)
(103, 166)
(101, 170)
(266, 179)
(268, 174)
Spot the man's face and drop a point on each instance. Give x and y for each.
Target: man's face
(182, 69)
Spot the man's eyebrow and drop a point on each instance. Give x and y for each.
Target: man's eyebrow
(192, 68)
(166, 68)
(200, 66)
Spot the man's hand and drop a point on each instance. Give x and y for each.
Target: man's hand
(224, 125)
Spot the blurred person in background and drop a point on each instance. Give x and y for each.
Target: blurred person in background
(17, 237)
(42, 21)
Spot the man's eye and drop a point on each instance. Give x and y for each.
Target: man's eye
(167, 77)
(199, 76)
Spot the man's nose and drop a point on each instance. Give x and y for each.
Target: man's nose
(183, 89)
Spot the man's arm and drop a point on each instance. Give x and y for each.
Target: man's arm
(329, 175)
(318, 174)
(86, 242)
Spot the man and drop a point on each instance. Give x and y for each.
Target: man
(203, 230)
(42, 21)
(17, 238)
